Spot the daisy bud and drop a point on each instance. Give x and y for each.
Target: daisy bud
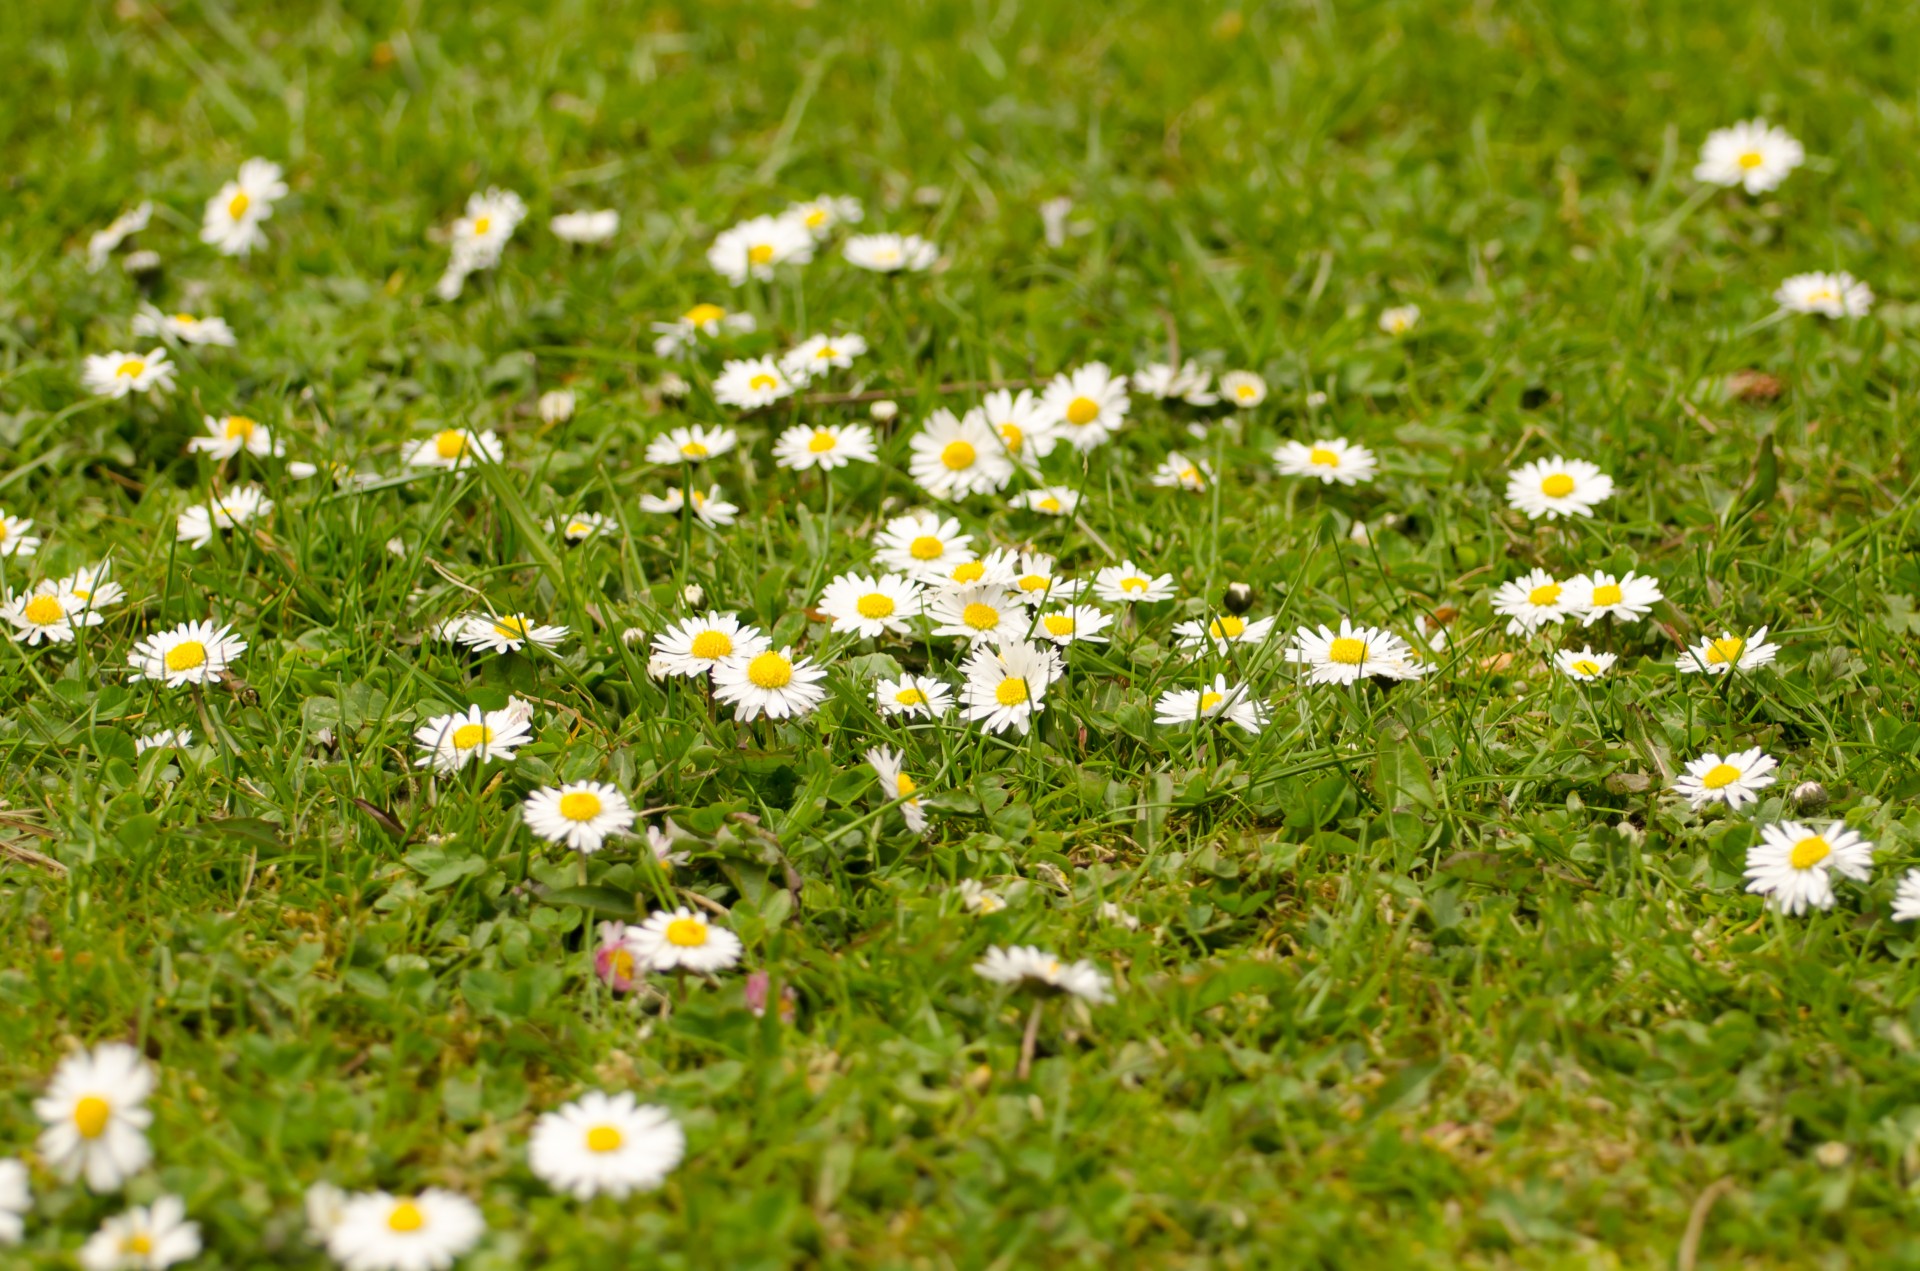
(884, 410)
(142, 262)
(659, 667)
(556, 407)
(693, 595)
(674, 386)
(1316, 399)
(1810, 796)
(633, 635)
(1832, 1155)
(1238, 598)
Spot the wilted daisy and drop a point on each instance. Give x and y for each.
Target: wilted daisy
(695, 646)
(1531, 602)
(1829, 295)
(824, 446)
(1352, 654)
(1729, 652)
(242, 505)
(16, 1199)
(1006, 685)
(1583, 663)
(145, 1238)
(1025, 434)
(871, 605)
(976, 614)
(582, 526)
(451, 742)
(508, 633)
(1733, 780)
(709, 506)
(748, 384)
(429, 1231)
(14, 539)
(231, 222)
(1075, 624)
(1034, 581)
(919, 695)
(1243, 388)
(1176, 470)
(164, 739)
(1330, 459)
(886, 763)
(603, 1144)
(184, 327)
(694, 444)
(115, 375)
(1598, 595)
(1223, 632)
(1048, 500)
(1220, 700)
(41, 615)
(228, 435)
(890, 253)
(1029, 968)
(585, 227)
(1557, 487)
(96, 1116)
(921, 543)
(820, 215)
(819, 354)
(1188, 383)
(682, 940)
(455, 448)
(954, 457)
(1792, 865)
(1127, 584)
(704, 319)
(580, 814)
(1400, 319)
(1086, 405)
(773, 683)
(756, 246)
(102, 243)
(1750, 154)
(191, 653)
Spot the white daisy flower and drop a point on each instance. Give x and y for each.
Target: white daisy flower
(116, 375)
(871, 605)
(450, 742)
(1086, 405)
(184, 327)
(1734, 780)
(824, 446)
(480, 236)
(14, 539)
(1829, 295)
(748, 384)
(709, 506)
(695, 444)
(1793, 864)
(756, 246)
(603, 1144)
(774, 684)
(145, 1238)
(1906, 897)
(240, 506)
(556, 405)
(1352, 654)
(1750, 154)
(1029, 968)
(324, 1205)
(1034, 581)
(919, 695)
(40, 615)
(1220, 700)
(1583, 664)
(1025, 434)
(1400, 319)
(191, 653)
(995, 569)
(821, 215)
(922, 543)
(695, 646)
(819, 354)
(1129, 584)
(954, 457)
(1048, 500)
(1330, 459)
(508, 633)
(1075, 624)
(96, 1116)
(682, 940)
(1598, 595)
(890, 253)
(164, 739)
(1188, 383)
(896, 784)
(1557, 487)
(582, 526)
(1006, 686)
(585, 227)
(231, 222)
(456, 448)
(1243, 389)
(104, 242)
(1176, 470)
(976, 899)
(1730, 652)
(976, 614)
(1531, 602)
(429, 1231)
(673, 339)
(92, 588)
(228, 435)
(16, 1200)
(580, 814)
(1224, 632)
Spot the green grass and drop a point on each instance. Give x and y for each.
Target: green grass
(1430, 977)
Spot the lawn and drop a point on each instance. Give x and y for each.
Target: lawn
(1440, 968)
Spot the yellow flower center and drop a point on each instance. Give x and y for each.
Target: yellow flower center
(1034, 582)
(687, 933)
(1720, 776)
(1322, 457)
(1048, 504)
(1133, 584)
(239, 426)
(405, 1217)
(481, 224)
(1752, 159)
(1082, 411)
(903, 785)
(1209, 700)
(1725, 649)
(694, 450)
(186, 655)
(910, 697)
(1557, 486)
(1584, 666)
(1011, 691)
(926, 547)
(875, 605)
(581, 805)
(237, 205)
(467, 736)
(604, 1138)
(826, 353)
(816, 217)
(43, 611)
(621, 963)
(1245, 392)
(1226, 628)
(1607, 594)
(1809, 852)
(1058, 624)
(1544, 594)
(1347, 651)
(760, 253)
(578, 529)
(699, 499)
(511, 628)
(186, 319)
(450, 443)
(1013, 438)
(980, 617)
(762, 382)
(138, 1243)
(701, 314)
(822, 441)
(957, 455)
(132, 368)
(90, 1116)
(969, 571)
(770, 670)
(710, 645)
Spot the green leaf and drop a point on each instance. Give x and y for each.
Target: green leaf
(601, 900)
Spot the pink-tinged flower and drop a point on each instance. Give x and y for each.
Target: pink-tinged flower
(613, 962)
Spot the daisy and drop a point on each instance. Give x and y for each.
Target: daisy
(604, 1144)
(581, 814)
(954, 457)
(1730, 652)
(976, 899)
(16, 1199)
(708, 505)
(425, 1232)
(1025, 435)
(39, 615)
(556, 406)
(672, 339)
(1029, 968)
(1400, 319)
(585, 227)
(896, 784)
(1224, 632)
(450, 742)
(1906, 898)
(890, 253)
(508, 633)
(613, 961)
(1128, 584)
(96, 1116)
(1733, 780)
(1178, 470)
(183, 327)
(772, 684)
(228, 435)
(1531, 602)
(115, 375)
(921, 543)
(480, 237)
(1352, 654)
(191, 653)
(1243, 388)
(682, 941)
(1829, 295)
(871, 605)
(1075, 624)
(824, 446)
(582, 526)
(1557, 487)
(104, 242)
(754, 247)
(695, 646)
(1749, 154)
(1583, 664)
(1219, 700)
(913, 695)
(976, 614)
(1627, 598)
(819, 216)
(231, 222)
(1006, 686)
(456, 448)
(660, 842)
(748, 383)
(1048, 500)
(995, 569)
(164, 739)
(1087, 405)
(145, 1238)
(1792, 864)
(1034, 582)
(1329, 458)
(1188, 383)
(91, 588)
(696, 444)
(242, 505)
(820, 354)
(14, 539)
